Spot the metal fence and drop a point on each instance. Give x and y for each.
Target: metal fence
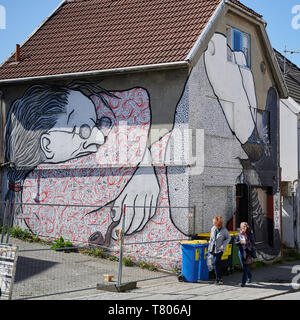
(43, 272)
(161, 253)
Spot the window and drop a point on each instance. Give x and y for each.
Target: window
(263, 125)
(238, 41)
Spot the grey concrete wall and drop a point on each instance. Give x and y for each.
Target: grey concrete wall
(213, 192)
(164, 87)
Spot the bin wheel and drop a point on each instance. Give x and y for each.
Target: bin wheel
(180, 278)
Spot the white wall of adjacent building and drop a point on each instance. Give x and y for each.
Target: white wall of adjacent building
(289, 110)
(289, 162)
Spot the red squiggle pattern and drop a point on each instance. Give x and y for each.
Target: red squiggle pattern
(97, 180)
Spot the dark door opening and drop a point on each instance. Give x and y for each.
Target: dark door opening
(242, 204)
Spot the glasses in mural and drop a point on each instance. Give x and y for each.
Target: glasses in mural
(2, 17)
(85, 130)
(296, 18)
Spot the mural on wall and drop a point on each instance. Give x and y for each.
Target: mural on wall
(83, 145)
(255, 129)
(69, 148)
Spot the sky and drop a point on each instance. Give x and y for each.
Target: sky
(22, 17)
(283, 26)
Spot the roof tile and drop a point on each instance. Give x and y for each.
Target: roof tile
(87, 35)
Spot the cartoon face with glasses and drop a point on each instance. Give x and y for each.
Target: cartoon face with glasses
(55, 124)
(77, 131)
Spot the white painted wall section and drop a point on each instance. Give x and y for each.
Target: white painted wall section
(289, 110)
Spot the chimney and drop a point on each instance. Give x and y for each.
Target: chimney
(17, 56)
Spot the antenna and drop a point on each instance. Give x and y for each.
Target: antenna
(284, 63)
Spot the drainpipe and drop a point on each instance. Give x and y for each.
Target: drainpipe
(281, 243)
(295, 213)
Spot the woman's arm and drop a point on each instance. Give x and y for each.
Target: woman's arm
(227, 239)
(211, 239)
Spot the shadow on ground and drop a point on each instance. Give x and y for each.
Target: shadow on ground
(29, 267)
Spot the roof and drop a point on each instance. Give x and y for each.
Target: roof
(292, 77)
(88, 35)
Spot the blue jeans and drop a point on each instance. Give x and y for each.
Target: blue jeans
(217, 263)
(246, 270)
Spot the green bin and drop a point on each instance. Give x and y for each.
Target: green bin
(235, 250)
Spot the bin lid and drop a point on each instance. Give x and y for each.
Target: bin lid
(203, 235)
(207, 235)
(194, 242)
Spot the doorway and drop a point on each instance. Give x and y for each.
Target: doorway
(242, 204)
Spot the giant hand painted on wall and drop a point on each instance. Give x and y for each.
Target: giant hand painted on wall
(82, 145)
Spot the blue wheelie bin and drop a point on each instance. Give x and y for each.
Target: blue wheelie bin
(203, 268)
(194, 265)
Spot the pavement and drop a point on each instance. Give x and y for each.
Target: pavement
(272, 282)
(48, 275)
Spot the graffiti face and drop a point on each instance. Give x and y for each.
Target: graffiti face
(76, 133)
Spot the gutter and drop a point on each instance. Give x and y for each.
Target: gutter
(148, 67)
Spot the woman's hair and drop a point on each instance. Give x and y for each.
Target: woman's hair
(28, 119)
(219, 221)
(248, 229)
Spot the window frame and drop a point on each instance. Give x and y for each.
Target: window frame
(261, 116)
(230, 41)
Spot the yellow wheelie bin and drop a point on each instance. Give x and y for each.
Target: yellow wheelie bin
(227, 257)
